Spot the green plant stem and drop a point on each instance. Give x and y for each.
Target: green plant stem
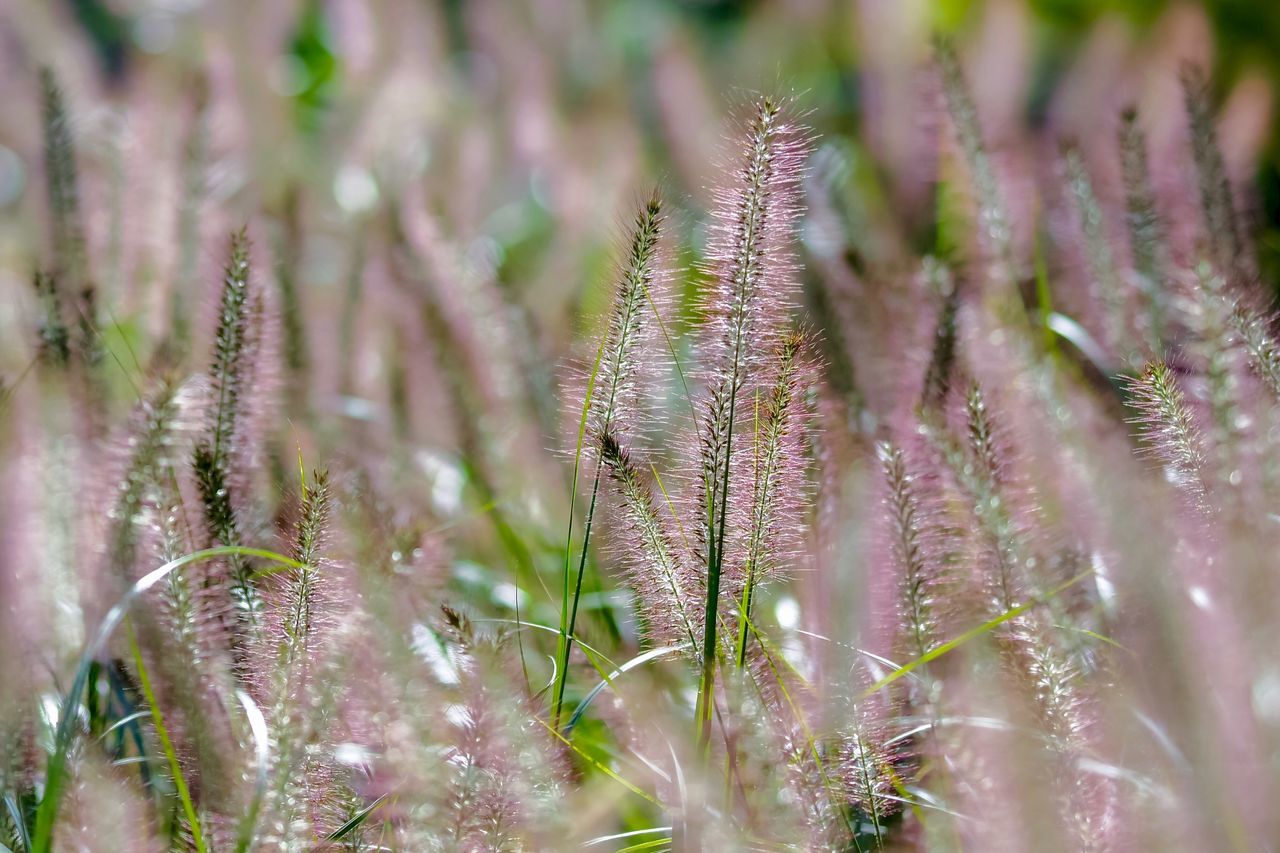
(715, 560)
(748, 589)
(567, 638)
(564, 645)
(157, 720)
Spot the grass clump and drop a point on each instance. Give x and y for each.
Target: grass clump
(889, 525)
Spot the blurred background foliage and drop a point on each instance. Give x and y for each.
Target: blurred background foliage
(526, 130)
(606, 56)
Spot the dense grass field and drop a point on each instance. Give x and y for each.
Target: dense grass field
(638, 426)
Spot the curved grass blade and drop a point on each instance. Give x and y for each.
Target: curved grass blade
(973, 633)
(19, 822)
(603, 839)
(122, 722)
(550, 630)
(262, 756)
(608, 771)
(656, 844)
(356, 820)
(56, 769)
(607, 681)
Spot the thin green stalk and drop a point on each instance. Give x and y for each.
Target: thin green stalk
(973, 633)
(603, 768)
(769, 438)
(356, 820)
(744, 607)
(715, 557)
(635, 280)
(1044, 296)
(743, 284)
(157, 720)
(565, 643)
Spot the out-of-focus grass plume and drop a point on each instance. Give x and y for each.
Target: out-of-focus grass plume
(639, 425)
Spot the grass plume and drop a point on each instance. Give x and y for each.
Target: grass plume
(744, 306)
(230, 375)
(915, 562)
(608, 394)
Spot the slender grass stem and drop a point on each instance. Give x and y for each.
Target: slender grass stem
(572, 607)
(715, 555)
(166, 743)
(744, 607)
(616, 346)
(565, 643)
(741, 282)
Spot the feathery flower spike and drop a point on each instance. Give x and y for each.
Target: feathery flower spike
(746, 306)
(608, 393)
(212, 461)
